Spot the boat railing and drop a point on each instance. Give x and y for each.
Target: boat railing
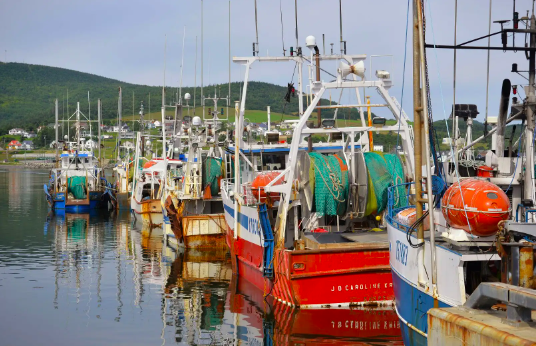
(247, 194)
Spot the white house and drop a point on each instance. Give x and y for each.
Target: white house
(16, 132)
(157, 124)
(30, 135)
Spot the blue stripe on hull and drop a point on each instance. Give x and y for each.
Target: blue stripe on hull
(94, 203)
(412, 305)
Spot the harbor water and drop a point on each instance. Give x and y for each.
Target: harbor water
(81, 279)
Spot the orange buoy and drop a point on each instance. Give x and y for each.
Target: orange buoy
(485, 172)
(149, 164)
(485, 206)
(263, 179)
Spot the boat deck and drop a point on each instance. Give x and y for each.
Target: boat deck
(344, 240)
(84, 201)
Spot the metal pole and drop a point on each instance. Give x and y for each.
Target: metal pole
(195, 73)
(318, 111)
(426, 142)
(528, 188)
(340, 22)
(229, 92)
(202, 101)
(418, 137)
(56, 131)
(119, 123)
(99, 106)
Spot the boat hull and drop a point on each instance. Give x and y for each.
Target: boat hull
(412, 302)
(123, 200)
(150, 213)
(318, 278)
(202, 231)
(95, 201)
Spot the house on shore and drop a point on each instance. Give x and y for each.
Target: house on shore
(14, 145)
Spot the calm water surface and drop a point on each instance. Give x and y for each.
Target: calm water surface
(98, 279)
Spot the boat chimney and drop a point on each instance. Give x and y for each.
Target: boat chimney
(503, 114)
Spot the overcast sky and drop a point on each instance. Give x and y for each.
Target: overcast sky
(125, 40)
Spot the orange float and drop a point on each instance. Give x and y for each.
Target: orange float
(149, 164)
(263, 179)
(485, 206)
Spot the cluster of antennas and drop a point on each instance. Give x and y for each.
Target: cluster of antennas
(345, 69)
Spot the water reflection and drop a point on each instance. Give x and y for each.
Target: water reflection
(98, 279)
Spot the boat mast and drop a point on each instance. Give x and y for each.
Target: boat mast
(528, 188)
(99, 110)
(119, 126)
(422, 141)
(56, 130)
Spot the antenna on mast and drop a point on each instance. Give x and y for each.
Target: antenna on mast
(343, 43)
(229, 91)
(298, 49)
(89, 115)
(202, 97)
(182, 66)
(256, 44)
(164, 86)
(195, 73)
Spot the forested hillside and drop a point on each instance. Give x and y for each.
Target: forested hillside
(27, 94)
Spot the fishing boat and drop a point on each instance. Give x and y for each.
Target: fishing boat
(77, 183)
(191, 202)
(124, 167)
(462, 260)
(303, 217)
(149, 179)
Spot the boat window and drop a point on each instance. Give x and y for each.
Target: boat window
(273, 161)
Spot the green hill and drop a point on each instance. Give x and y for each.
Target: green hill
(27, 94)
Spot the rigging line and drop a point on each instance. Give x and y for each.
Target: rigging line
(452, 151)
(282, 28)
(403, 77)
(321, 69)
(487, 77)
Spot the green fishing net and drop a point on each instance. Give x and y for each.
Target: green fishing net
(330, 184)
(213, 170)
(77, 186)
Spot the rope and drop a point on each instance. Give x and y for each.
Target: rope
(453, 154)
(403, 77)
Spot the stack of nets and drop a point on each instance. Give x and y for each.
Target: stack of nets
(213, 171)
(384, 170)
(330, 184)
(77, 186)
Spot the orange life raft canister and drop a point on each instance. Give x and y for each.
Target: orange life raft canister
(263, 179)
(485, 206)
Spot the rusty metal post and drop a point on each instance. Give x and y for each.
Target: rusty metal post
(526, 266)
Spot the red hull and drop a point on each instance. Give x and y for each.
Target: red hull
(293, 326)
(346, 276)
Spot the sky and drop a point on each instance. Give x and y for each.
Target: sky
(133, 40)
